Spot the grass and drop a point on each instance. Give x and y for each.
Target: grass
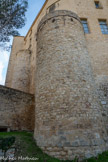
(26, 146)
(101, 158)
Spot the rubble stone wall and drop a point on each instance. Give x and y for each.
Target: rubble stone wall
(16, 109)
(102, 87)
(21, 73)
(68, 113)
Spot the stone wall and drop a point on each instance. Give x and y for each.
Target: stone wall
(16, 109)
(21, 72)
(97, 43)
(97, 46)
(68, 113)
(102, 87)
(17, 45)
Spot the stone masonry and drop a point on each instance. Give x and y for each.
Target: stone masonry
(16, 109)
(21, 74)
(57, 80)
(68, 114)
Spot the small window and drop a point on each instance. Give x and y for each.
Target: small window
(85, 26)
(103, 26)
(52, 7)
(98, 5)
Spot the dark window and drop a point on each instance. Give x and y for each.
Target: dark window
(103, 26)
(85, 26)
(97, 4)
(52, 7)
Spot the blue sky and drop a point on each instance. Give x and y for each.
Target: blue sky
(34, 7)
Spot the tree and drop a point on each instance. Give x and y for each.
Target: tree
(12, 18)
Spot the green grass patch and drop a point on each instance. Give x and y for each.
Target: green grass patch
(26, 147)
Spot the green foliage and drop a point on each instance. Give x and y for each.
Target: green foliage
(12, 17)
(6, 143)
(1, 139)
(100, 158)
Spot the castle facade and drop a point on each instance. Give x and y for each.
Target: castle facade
(57, 79)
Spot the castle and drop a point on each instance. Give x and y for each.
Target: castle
(57, 79)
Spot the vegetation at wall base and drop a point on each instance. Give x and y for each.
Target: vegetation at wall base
(6, 143)
(26, 147)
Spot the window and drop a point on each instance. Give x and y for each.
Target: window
(103, 26)
(85, 25)
(98, 5)
(52, 7)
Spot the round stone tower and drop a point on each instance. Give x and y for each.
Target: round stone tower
(21, 74)
(68, 114)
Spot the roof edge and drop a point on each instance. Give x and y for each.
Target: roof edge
(18, 36)
(36, 18)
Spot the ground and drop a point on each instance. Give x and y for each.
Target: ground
(25, 146)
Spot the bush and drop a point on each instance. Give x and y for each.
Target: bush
(6, 143)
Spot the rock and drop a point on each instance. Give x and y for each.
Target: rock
(10, 153)
(1, 153)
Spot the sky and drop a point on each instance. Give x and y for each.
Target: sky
(34, 7)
